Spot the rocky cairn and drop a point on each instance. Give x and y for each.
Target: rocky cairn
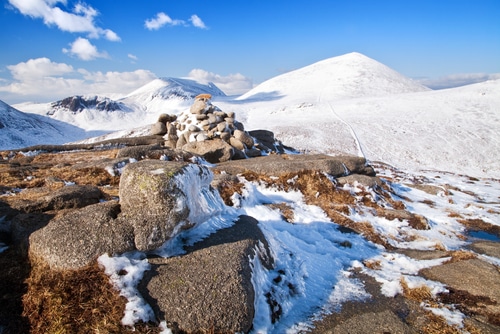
(212, 133)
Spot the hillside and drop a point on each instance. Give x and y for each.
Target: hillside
(18, 129)
(352, 75)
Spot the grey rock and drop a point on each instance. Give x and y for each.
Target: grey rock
(198, 107)
(151, 201)
(202, 136)
(214, 151)
(237, 144)
(77, 238)
(211, 284)
(244, 137)
(226, 136)
(68, 197)
(253, 152)
(159, 129)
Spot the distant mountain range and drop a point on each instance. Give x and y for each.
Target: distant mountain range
(348, 104)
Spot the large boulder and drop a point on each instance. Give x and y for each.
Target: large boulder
(210, 286)
(161, 198)
(214, 151)
(75, 239)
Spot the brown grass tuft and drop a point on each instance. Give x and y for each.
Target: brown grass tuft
(285, 210)
(460, 255)
(438, 325)
(373, 264)
(72, 301)
(420, 294)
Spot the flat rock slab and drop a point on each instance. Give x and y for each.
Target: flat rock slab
(210, 286)
(278, 164)
(474, 276)
(377, 314)
(489, 248)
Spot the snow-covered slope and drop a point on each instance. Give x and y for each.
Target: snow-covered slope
(349, 76)
(18, 129)
(139, 108)
(352, 104)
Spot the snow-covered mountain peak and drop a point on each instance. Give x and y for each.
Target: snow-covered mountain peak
(166, 88)
(352, 75)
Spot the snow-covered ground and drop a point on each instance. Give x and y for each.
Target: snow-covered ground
(317, 256)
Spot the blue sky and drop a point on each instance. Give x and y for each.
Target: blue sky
(56, 48)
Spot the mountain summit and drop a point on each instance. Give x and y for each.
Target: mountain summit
(352, 75)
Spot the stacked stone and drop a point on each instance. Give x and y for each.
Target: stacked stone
(205, 122)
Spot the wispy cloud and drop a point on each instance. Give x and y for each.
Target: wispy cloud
(79, 20)
(197, 22)
(43, 80)
(132, 57)
(85, 50)
(456, 80)
(232, 84)
(161, 19)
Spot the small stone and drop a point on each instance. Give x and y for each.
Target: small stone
(194, 128)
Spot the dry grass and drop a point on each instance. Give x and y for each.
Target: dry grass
(14, 270)
(73, 301)
(460, 255)
(420, 293)
(285, 210)
(318, 190)
(438, 325)
(373, 264)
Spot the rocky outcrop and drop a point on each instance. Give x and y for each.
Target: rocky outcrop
(157, 200)
(78, 103)
(220, 296)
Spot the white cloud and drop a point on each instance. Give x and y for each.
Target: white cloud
(456, 80)
(160, 20)
(232, 84)
(85, 50)
(197, 22)
(44, 81)
(35, 69)
(81, 20)
(132, 57)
